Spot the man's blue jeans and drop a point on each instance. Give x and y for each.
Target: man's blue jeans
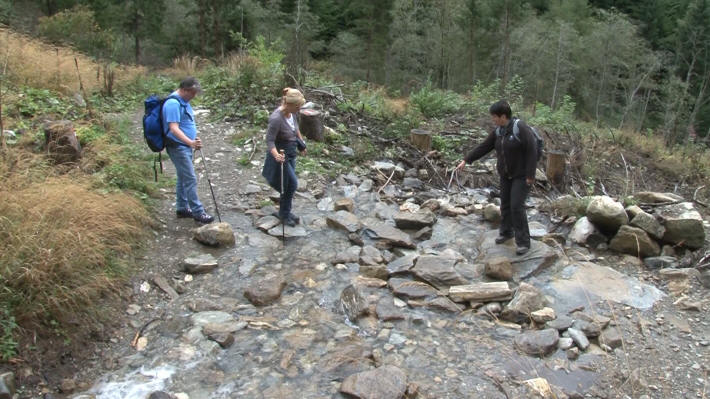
(186, 187)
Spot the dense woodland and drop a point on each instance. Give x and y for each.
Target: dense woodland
(638, 65)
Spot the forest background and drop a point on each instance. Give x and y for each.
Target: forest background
(640, 65)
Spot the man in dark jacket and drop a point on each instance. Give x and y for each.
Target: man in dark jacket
(517, 158)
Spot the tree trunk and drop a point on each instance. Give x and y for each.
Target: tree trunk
(421, 139)
(506, 45)
(557, 69)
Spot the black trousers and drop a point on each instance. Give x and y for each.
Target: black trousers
(514, 223)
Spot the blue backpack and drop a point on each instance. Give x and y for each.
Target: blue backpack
(153, 130)
(516, 133)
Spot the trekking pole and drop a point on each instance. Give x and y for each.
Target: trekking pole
(283, 222)
(210, 184)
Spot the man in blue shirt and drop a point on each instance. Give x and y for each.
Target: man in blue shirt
(179, 117)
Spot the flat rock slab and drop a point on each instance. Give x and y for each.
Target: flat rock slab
(201, 264)
(391, 235)
(386, 382)
(344, 220)
(415, 220)
(211, 318)
(412, 289)
(288, 231)
(481, 292)
(387, 311)
(534, 261)
(581, 283)
(438, 271)
(401, 265)
(266, 223)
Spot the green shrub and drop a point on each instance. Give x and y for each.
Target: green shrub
(561, 119)
(435, 103)
(78, 27)
(8, 345)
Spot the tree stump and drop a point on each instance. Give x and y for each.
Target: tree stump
(310, 123)
(421, 139)
(555, 168)
(61, 142)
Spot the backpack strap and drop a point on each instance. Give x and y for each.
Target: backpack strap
(183, 109)
(516, 129)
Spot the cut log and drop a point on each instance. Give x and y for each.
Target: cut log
(481, 292)
(555, 168)
(310, 123)
(421, 139)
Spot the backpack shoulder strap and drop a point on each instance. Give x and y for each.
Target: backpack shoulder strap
(516, 129)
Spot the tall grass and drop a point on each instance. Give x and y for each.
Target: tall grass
(33, 63)
(63, 246)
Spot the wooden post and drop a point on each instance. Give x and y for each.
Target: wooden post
(310, 124)
(421, 139)
(555, 168)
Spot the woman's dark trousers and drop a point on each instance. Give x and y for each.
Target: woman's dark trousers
(514, 223)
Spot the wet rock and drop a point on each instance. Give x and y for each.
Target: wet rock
(387, 311)
(401, 265)
(561, 323)
(579, 338)
(223, 328)
(288, 231)
(347, 359)
(344, 204)
(527, 299)
(266, 223)
(481, 292)
(386, 382)
(411, 289)
(225, 340)
(215, 234)
(611, 337)
(415, 220)
(491, 213)
(539, 257)
(353, 303)
(200, 264)
(572, 353)
(634, 241)
(705, 278)
(211, 317)
(356, 239)
(537, 230)
(649, 224)
(391, 235)
(438, 271)
(492, 308)
(537, 343)
(499, 269)
(445, 304)
(432, 204)
(160, 395)
(683, 224)
(366, 185)
(344, 220)
(265, 291)
(423, 234)
(543, 315)
(374, 271)
(590, 329)
(453, 211)
(7, 385)
(661, 262)
(372, 253)
(350, 255)
(607, 214)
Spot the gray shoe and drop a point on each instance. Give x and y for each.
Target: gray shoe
(521, 250)
(502, 239)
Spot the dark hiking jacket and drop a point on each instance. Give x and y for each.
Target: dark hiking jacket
(517, 156)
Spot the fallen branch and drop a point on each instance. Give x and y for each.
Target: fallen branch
(140, 332)
(695, 197)
(388, 180)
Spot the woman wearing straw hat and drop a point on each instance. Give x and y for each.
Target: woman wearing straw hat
(284, 142)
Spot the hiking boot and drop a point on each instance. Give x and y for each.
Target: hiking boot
(204, 218)
(183, 213)
(294, 217)
(521, 250)
(289, 221)
(502, 239)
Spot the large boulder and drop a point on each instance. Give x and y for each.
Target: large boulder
(201, 264)
(607, 214)
(215, 234)
(634, 241)
(585, 232)
(62, 144)
(265, 291)
(537, 343)
(683, 224)
(526, 300)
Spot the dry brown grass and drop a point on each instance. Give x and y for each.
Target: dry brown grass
(187, 65)
(62, 245)
(34, 63)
